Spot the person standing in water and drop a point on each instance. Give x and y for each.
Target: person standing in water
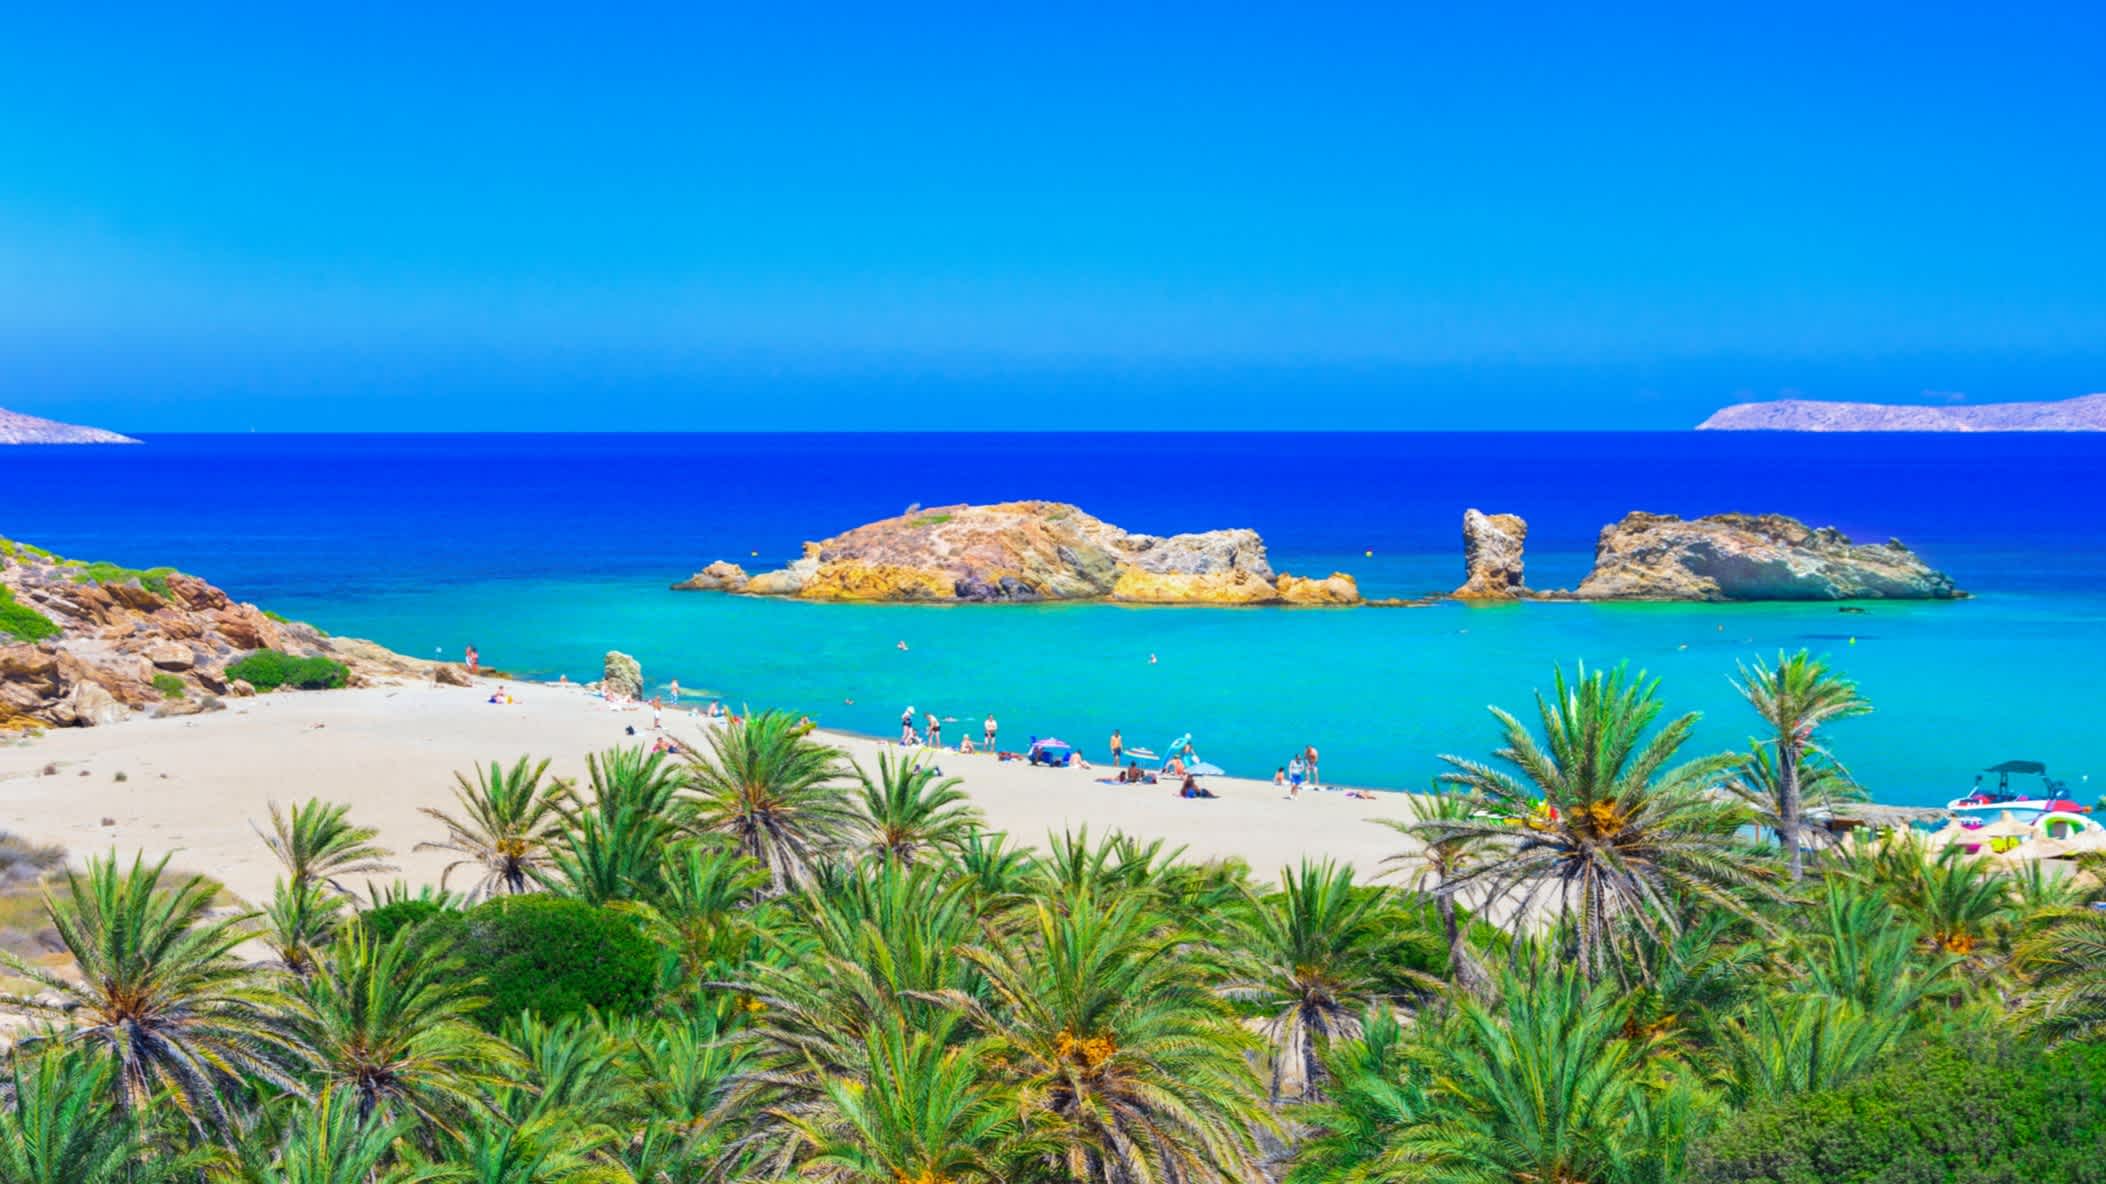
(1118, 746)
(935, 731)
(1309, 759)
(672, 690)
(906, 726)
(987, 731)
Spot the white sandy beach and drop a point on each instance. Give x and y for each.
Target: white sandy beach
(197, 787)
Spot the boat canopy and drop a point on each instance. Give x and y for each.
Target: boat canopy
(2018, 767)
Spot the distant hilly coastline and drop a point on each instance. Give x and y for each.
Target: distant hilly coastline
(16, 428)
(2086, 414)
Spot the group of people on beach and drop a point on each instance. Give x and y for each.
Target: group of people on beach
(912, 737)
(1299, 770)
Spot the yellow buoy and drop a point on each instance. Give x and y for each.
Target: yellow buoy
(1369, 554)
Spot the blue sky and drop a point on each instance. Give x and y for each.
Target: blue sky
(332, 217)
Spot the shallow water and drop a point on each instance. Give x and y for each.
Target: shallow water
(547, 551)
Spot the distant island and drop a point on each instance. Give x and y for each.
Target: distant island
(16, 428)
(2086, 414)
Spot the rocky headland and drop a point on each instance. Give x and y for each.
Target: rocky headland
(2086, 414)
(1751, 557)
(89, 644)
(17, 428)
(1028, 551)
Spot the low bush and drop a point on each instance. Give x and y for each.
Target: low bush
(169, 685)
(268, 670)
(22, 622)
(389, 919)
(153, 579)
(555, 956)
(1969, 1111)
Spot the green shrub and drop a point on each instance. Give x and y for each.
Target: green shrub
(269, 669)
(268, 615)
(153, 579)
(389, 919)
(1955, 1112)
(23, 622)
(930, 520)
(555, 956)
(169, 685)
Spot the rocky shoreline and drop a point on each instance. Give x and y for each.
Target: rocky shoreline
(1021, 552)
(92, 644)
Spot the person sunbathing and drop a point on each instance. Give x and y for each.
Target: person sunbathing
(1193, 789)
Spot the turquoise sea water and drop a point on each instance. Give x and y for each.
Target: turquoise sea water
(547, 551)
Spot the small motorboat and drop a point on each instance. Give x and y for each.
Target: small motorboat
(1986, 802)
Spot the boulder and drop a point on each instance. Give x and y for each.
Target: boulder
(1016, 551)
(170, 656)
(448, 675)
(717, 577)
(240, 688)
(1751, 557)
(90, 706)
(1492, 546)
(622, 675)
(1337, 588)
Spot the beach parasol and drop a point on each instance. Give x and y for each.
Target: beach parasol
(2006, 827)
(1140, 754)
(1953, 833)
(1203, 769)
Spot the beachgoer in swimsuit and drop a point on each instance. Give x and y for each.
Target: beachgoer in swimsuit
(474, 660)
(987, 731)
(906, 726)
(1310, 759)
(657, 712)
(935, 731)
(672, 690)
(1118, 746)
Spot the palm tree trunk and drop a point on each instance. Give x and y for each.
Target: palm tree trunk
(1788, 806)
(1461, 966)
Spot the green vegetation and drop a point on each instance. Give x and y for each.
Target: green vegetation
(267, 670)
(929, 520)
(758, 964)
(556, 957)
(21, 622)
(169, 685)
(276, 616)
(153, 579)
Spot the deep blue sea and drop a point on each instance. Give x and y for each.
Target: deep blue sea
(546, 551)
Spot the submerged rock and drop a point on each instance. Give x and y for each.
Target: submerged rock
(1020, 552)
(1751, 557)
(1492, 561)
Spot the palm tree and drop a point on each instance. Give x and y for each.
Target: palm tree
(1823, 784)
(158, 987)
(768, 787)
(1442, 855)
(1123, 1046)
(303, 917)
(905, 809)
(1542, 1086)
(1795, 697)
(1861, 950)
(1596, 824)
(508, 819)
(1375, 1094)
(1785, 1045)
(317, 843)
(2068, 961)
(333, 1142)
(63, 1126)
(922, 1109)
(706, 909)
(614, 847)
(389, 1024)
(1310, 957)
